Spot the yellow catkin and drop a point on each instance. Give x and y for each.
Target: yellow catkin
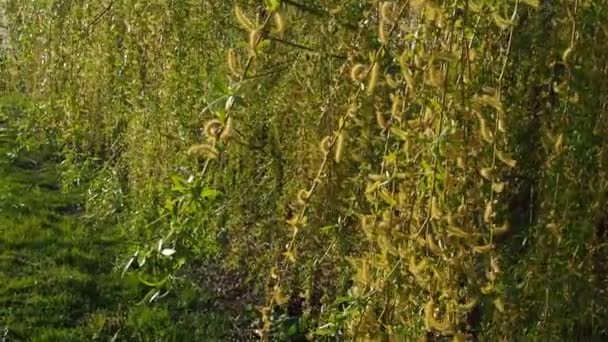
(454, 231)
(382, 32)
(373, 79)
(494, 265)
(339, 147)
(416, 268)
(279, 297)
(429, 314)
(429, 319)
(486, 173)
(503, 157)
(435, 211)
(488, 213)
(404, 59)
(381, 121)
(500, 230)
(387, 11)
(254, 37)
(227, 131)
(498, 303)
(391, 82)
(303, 196)
(483, 249)
(358, 73)
(396, 108)
(468, 306)
(434, 76)
(432, 246)
(559, 144)
(203, 150)
(325, 145)
(485, 132)
(233, 62)
(498, 187)
(212, 128)
(501, 125)
(242, 19)
(279, 24)
(567, 54)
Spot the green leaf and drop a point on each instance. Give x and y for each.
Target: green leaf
(531, 3)
(221, 86)
(210, 194)
(399, 133)
(152, 284)
(179, 183)
(272, 5)
(293, 330)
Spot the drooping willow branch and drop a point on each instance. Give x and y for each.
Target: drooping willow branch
(96, 20)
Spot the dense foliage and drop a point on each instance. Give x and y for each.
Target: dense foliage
(335, 169)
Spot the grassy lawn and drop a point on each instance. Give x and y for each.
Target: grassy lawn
(56, 273)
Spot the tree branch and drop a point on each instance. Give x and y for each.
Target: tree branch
(99, 16)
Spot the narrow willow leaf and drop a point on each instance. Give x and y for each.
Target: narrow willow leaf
(373, 79)
(129, 263)
(167, 252)
(210, 194)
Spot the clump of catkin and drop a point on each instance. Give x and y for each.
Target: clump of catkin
(358, 73)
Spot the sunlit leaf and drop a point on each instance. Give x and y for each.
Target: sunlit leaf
(168, 252)
(210, 194)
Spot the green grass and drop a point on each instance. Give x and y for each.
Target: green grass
(56, 273)
(60, 269)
